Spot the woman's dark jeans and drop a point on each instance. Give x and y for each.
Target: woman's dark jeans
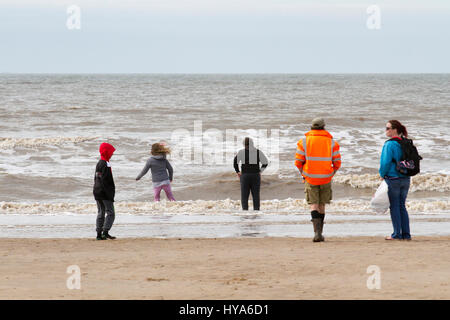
(250, 182)
(397, 192)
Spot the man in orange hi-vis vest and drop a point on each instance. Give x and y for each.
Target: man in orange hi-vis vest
(318, 159)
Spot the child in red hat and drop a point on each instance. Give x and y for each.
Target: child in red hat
(104, 191)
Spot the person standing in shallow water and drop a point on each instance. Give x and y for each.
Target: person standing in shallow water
(398, 184)
(250, 176)
(104, 192)
(162, 171)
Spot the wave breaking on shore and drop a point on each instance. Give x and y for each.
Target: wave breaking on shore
(286, 206)
(420, 182)
(11, 143)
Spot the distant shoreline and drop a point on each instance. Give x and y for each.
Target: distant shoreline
(231, 73)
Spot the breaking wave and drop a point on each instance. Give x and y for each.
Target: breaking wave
(10, 143)
(421, 182)
(286, 206)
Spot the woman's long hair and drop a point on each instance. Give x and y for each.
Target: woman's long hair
(401, 129)
(159, 149)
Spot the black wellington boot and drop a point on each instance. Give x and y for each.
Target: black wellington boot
(107, 235)
(321, 238)
(100, 236)
(316, 224)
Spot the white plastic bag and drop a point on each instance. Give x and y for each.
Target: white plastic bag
(380, 201)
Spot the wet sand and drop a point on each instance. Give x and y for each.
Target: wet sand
(230, 268)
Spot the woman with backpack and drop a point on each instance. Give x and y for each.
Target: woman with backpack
(398, 183)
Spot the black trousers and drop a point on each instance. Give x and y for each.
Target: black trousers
(250, 182)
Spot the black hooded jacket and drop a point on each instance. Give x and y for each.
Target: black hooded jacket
(104, 187)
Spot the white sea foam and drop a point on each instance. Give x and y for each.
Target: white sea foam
(286, 206)
(10, 143)
(420, 182)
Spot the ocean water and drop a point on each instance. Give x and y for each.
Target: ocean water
(51, 127)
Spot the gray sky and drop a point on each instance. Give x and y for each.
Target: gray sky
(224, 36)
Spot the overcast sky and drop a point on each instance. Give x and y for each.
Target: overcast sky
(224, 36)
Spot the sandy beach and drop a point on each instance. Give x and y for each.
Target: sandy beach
(230, 268)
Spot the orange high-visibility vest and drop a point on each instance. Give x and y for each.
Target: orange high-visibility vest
(318, 157)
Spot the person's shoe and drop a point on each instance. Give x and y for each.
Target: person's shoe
(100, 236)
(107, 235)
(316, 224)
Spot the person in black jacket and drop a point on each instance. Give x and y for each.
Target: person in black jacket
(250, 178)
(104, 191)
